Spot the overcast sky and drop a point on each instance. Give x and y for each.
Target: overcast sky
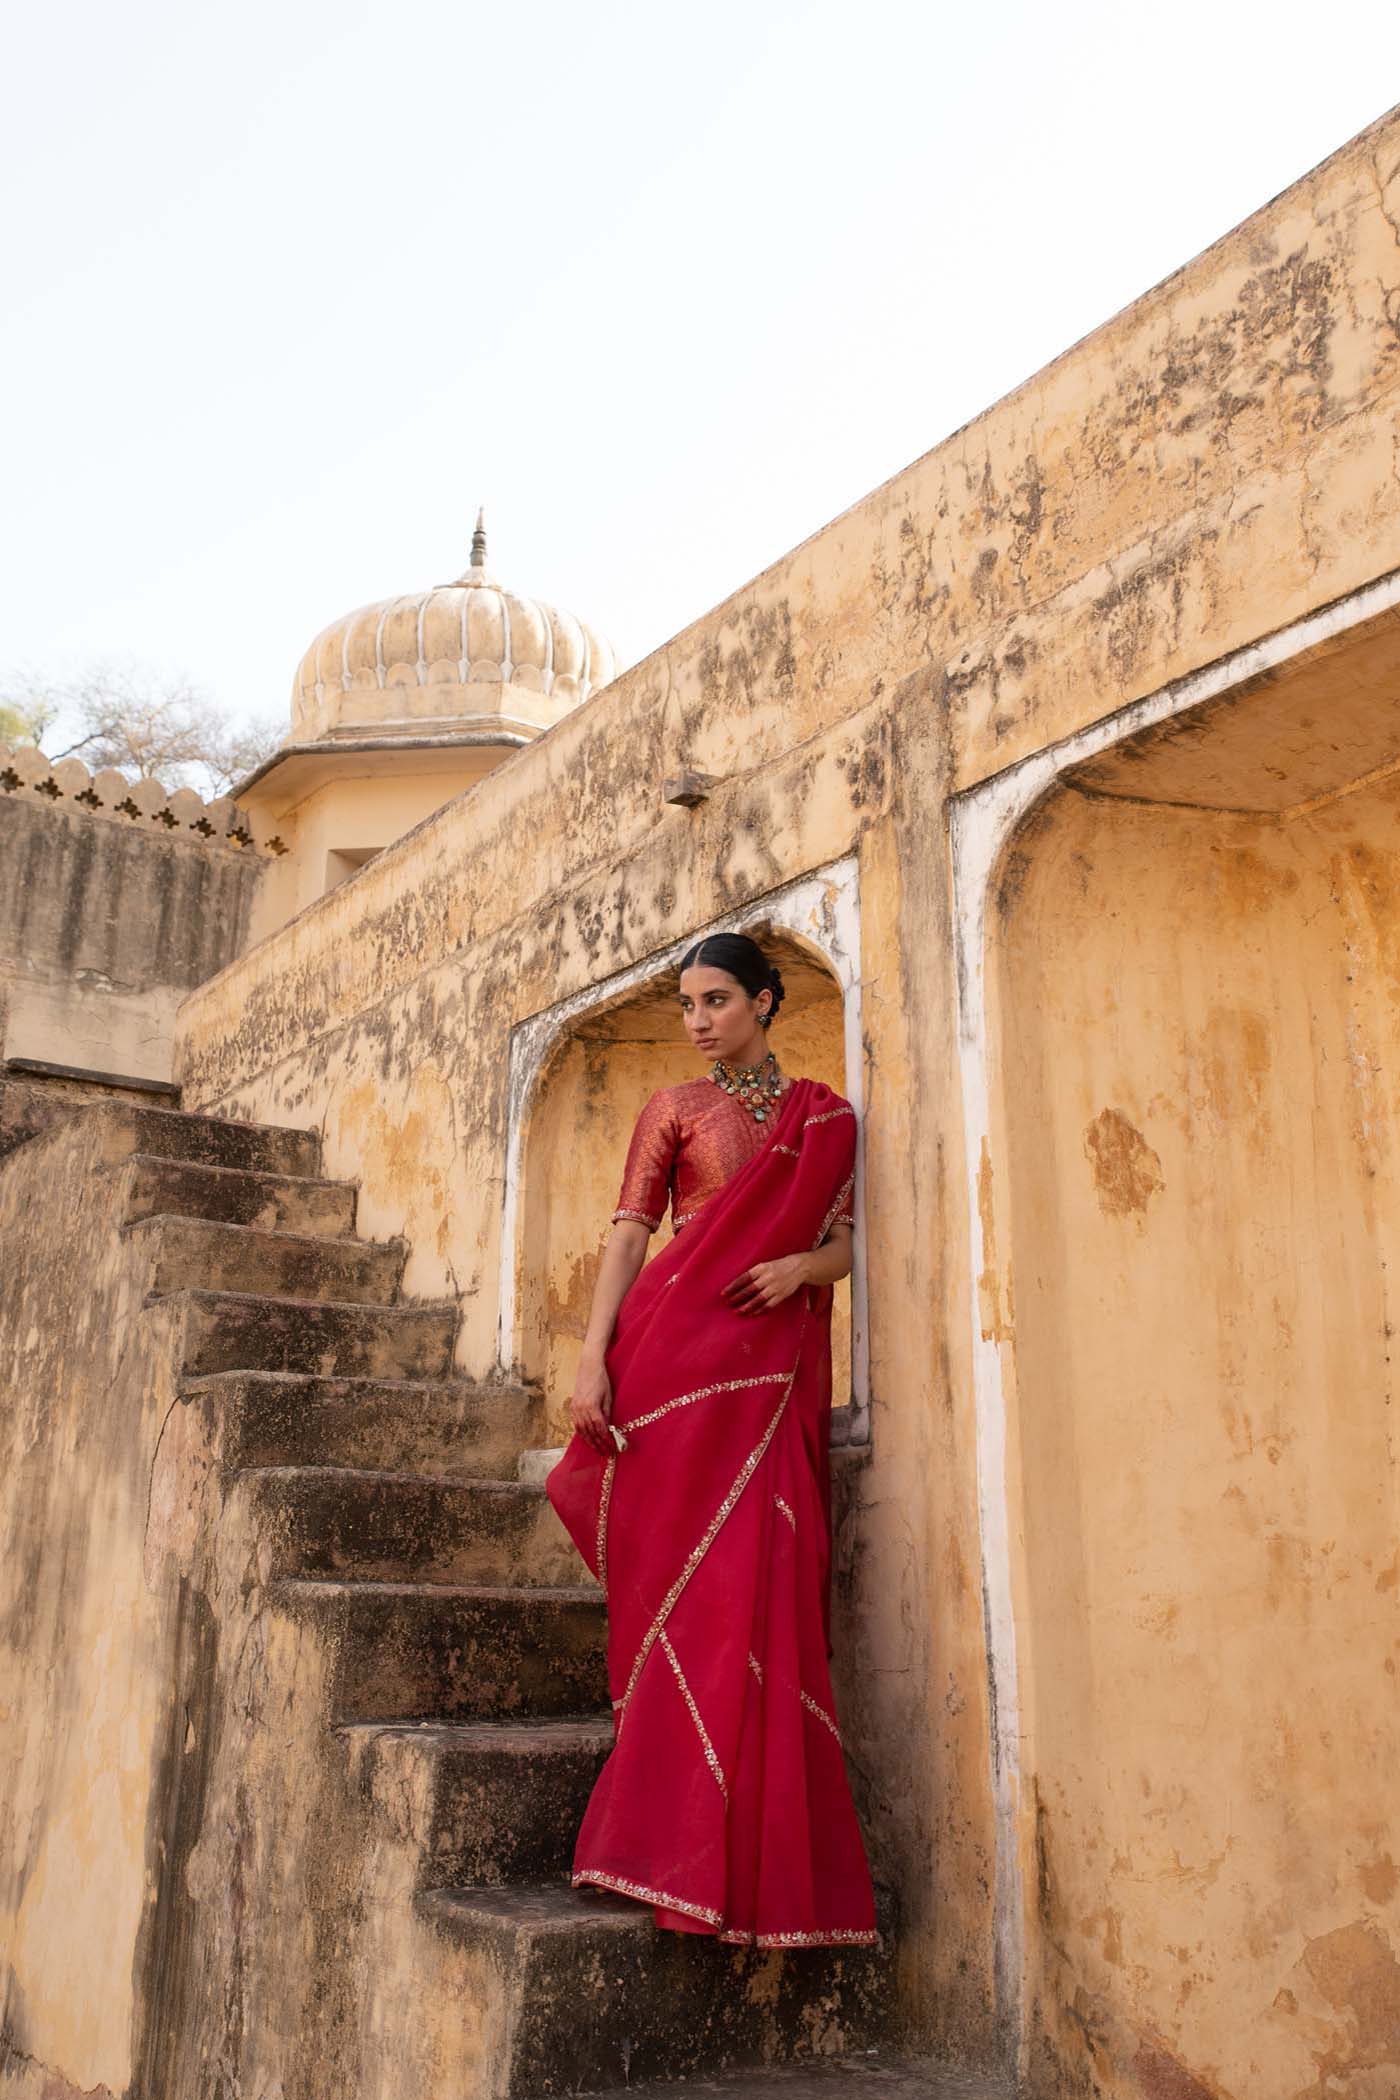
(290, 288)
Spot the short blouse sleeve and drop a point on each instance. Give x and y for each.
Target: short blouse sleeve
(646, 1179)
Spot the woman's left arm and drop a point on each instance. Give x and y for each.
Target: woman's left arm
(768, 1283)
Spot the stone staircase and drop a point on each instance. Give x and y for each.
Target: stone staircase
(410, 1704)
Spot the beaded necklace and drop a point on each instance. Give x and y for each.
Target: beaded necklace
(757, 1088)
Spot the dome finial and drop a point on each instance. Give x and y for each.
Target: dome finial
(479, 540)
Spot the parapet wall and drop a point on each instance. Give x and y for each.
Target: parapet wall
(116, 899)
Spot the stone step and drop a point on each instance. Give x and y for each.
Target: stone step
(659, 2005)
(401, 1527)
(868, 2075)
(183, 1188)
(410, 1651)
(235, 1331)
(204, 1254)
(487, 1802)
(450, 1428)
(168, 1133)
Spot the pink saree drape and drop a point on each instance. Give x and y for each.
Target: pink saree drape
(725, 1801)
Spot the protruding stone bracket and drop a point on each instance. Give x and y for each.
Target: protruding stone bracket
(687, 789)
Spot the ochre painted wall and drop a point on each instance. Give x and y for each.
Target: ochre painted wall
(359, 806)
(1200, 1023)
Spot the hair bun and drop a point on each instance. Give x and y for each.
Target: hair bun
(776, 987)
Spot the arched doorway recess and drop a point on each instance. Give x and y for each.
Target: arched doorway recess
(581, 1071)
(1180, 1052)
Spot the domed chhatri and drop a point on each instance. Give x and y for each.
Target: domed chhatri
(453, 651)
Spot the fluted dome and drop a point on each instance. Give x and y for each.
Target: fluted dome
(437, 654)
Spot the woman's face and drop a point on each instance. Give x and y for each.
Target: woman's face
(720, 1017)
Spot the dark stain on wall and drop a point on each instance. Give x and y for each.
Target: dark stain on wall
(167, 1980)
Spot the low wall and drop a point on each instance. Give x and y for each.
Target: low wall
(110, 915)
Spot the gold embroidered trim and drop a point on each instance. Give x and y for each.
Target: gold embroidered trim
(828, 1116)
(835, 1936)
(787, 1510)
(604, 1498)
(711, 1532)
(642, 1217)
(703, 1392)
(659, 1896)
(791, 1151)
(705, 1744)
(756, 1666)
(821, 1713)
(838, 1936)
(829, 1219)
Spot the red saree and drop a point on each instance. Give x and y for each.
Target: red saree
(725, 1802)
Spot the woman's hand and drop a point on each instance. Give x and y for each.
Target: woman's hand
(590, 1406)
(766, 1284)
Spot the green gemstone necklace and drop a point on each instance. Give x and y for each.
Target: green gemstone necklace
(758, 1088)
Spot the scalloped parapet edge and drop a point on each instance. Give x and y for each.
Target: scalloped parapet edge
(67, 783)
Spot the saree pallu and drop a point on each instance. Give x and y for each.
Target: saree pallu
(724, 1802)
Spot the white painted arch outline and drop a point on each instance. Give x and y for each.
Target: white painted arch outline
(822, 911)
(983, 820)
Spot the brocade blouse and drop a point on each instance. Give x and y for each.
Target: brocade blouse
(688, 1142)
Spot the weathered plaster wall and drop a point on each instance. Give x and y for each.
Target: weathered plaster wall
(98, 1638)
(104, 927)
(1211, 465)
(364, 805)
(1198, 1015)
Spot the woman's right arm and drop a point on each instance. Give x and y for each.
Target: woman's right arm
(590, 1404)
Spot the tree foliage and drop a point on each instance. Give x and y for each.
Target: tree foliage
(117, 715)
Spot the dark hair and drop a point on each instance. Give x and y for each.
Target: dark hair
(743, 959)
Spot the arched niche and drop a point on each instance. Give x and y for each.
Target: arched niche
(1186, 1072)
(582, 1074)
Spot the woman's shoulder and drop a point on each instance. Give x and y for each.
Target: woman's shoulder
(672, 1102)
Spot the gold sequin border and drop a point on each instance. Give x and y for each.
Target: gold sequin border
(707, 1539)
(642, 1217)
(834, 1936)
(703, 1392)
(604, 1498)
(829, 1220)
(706, 1745)
(599, 1879)
(821, 1713)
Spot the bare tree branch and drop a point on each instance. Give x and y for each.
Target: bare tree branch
(139, 723)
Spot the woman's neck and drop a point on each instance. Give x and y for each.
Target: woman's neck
(753, 1053)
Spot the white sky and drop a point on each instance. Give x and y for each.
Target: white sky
(290, 287)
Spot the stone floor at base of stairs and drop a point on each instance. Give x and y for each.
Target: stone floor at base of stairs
(865, 2077)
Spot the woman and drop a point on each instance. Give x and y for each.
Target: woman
(696, 1487)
